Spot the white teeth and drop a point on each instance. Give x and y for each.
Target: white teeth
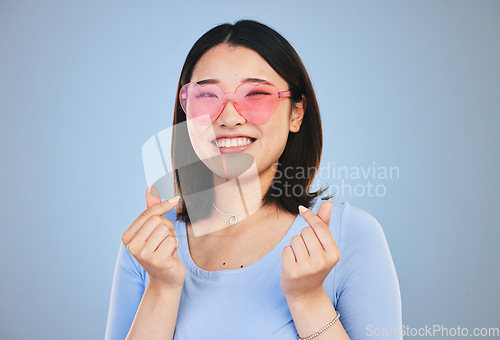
(229, 142)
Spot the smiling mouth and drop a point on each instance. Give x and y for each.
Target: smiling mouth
(222, 143)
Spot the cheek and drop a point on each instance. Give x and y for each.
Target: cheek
(276, 133)
(199, 135)
(194, 133)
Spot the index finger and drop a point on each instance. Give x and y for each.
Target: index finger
(157, 209)
(319, 226)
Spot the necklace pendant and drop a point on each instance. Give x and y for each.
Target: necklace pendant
(233, 220)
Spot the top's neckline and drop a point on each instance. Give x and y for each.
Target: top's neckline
(191, 265)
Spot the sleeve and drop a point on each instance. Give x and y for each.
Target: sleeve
(366, 287)
(126, 294)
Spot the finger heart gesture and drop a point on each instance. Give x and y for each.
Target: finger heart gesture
(310, 257)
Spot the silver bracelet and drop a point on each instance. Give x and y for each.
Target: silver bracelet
(322, 329)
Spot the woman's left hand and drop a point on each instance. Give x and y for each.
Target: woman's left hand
(310, 257)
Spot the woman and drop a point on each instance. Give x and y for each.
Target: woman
(237, 255)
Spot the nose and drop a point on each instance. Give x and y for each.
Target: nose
(230, 116)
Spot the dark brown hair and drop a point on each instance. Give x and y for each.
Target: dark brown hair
(303, 148)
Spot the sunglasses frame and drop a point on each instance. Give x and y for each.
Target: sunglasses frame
(230, 96)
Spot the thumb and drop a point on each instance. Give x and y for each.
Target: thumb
(152, 196)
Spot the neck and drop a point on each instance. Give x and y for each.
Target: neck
(241, 196)
(244, 193)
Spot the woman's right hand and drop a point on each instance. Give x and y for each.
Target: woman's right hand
(151, 240)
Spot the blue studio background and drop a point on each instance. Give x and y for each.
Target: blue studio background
(411, 86)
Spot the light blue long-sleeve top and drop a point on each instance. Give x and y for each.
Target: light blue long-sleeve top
(247, 303)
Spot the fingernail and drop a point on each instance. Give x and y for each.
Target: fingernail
(174, 199)
(154, 192)
(302, 208)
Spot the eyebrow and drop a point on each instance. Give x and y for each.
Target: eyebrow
(246, 80)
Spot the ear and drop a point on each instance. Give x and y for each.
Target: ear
(297, 115)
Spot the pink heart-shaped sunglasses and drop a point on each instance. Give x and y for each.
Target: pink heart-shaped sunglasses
(254, 102)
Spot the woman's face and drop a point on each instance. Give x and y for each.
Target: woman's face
(230, 67)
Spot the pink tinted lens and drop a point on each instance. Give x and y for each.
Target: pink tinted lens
(201, 103)
(257, 103)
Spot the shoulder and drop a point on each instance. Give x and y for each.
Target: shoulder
(359, 229)
(363, 247)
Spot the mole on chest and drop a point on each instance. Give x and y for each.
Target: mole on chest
(224, 263)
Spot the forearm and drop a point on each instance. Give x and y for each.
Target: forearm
(157, 314)
(311, 313)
